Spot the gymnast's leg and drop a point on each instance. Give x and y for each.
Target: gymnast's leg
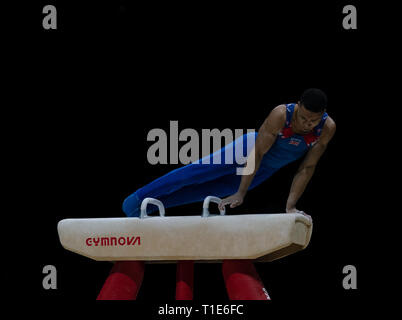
(191, 175)
(220, 187)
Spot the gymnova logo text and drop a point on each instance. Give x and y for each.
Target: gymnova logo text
(112, 241)
(166, 149)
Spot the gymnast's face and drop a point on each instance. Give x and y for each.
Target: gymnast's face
(306, 120)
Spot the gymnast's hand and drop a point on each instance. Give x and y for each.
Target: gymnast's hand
(294, 210)
(234, 201)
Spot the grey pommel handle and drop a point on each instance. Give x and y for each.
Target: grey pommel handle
(156, 202)
(205, 206)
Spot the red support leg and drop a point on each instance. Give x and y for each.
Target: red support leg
(123, 282)
(242, 281)
(184, 280)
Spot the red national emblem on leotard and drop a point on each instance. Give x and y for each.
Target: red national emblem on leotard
(287, 132)
(310, 138)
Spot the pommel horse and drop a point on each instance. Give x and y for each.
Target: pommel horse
(237, 241)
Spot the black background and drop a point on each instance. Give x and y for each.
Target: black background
(87, 94)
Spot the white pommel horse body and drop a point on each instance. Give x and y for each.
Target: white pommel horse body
(237, 241)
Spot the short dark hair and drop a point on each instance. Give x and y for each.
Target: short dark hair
(314, 100)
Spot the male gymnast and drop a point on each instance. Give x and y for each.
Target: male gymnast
(289, 132)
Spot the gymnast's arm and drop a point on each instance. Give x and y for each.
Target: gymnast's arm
(266, 137)
(307, 167)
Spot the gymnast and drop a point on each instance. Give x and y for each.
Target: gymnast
(289, 132)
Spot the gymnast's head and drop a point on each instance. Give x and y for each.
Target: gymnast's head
(311, 107)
